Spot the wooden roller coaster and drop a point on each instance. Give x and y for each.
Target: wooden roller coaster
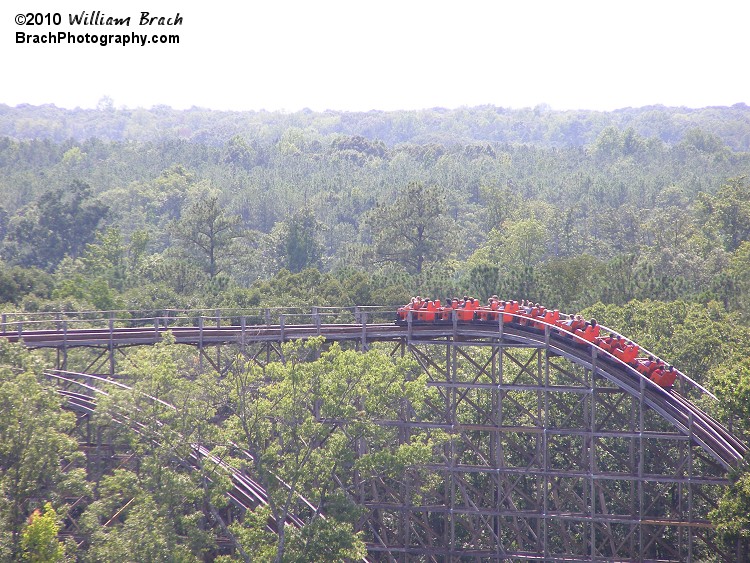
(558, 451)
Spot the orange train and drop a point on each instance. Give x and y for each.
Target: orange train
(533, 316)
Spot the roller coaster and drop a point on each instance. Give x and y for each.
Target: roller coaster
(558, 451)
(246, 493)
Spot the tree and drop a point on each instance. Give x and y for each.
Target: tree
(728, 212)
(524, 242)
(60, 223)
(207, 231)
(165, 196)
(703, 141)
(482, 279)
(303, 422)
(499, 205)
(731, 381)
(735, 288)
(608, 145)
(105, 269)
(176, 275)
(39, 539)
(516, 243)
(3, 222)
(238, 154)
(570, 283)
(295, 242)
(732, 515)
(165, 507)
(414, 229)
(34, 446)
(17, 282)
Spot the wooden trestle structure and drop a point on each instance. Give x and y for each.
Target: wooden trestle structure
(556, 450)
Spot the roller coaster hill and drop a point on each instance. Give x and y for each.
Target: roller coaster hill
(567, 441)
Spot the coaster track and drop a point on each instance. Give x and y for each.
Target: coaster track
(246, 493)
(568, 503)
(685, 416)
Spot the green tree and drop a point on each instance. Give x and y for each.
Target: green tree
(165, 197)
(731, 382)
(302, 422)
(165, 507)
(728, 212)
(207, 231)
(17, 282)
(521, 243)
(413, 229)
(525, 242)
(142, 517)
(609, 144)
(3, 222)
(113, 272)
(499, 205)
(60, 223)
(702, 141)
(34, 446)
(39, 539)
(88, 292)
(239, 154)
(695, 339)
(732, 515)
(736, 281)
(482, 279)
(296, 241)
(570, 283)
(176, 276)
(100, 275)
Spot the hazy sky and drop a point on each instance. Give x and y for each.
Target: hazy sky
(356, 55)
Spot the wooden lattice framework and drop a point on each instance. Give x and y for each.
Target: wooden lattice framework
(552, 456)
(547, 461)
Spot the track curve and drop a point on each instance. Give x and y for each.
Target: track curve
(681, 413)
(246, 493)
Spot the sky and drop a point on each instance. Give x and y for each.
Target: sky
(385, 55)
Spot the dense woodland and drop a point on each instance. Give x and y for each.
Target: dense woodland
(640, 217)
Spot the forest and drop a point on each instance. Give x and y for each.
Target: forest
(639, 217)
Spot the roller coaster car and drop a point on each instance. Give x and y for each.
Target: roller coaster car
(587, 335)
(426, 318)
(480, 316)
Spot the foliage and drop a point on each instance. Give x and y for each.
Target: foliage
(302, 422)
(639, 218)
(428, 127)
(296, 241)
(729, 212)
(34, 441)
(207, 232)
(162, 509)
(142, 519)
(60, 223)
(413, 229)
(17, 282)
(39, 539)
(696, 338)
(732, 516)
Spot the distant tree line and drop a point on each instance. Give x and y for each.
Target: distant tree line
(539, 125)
